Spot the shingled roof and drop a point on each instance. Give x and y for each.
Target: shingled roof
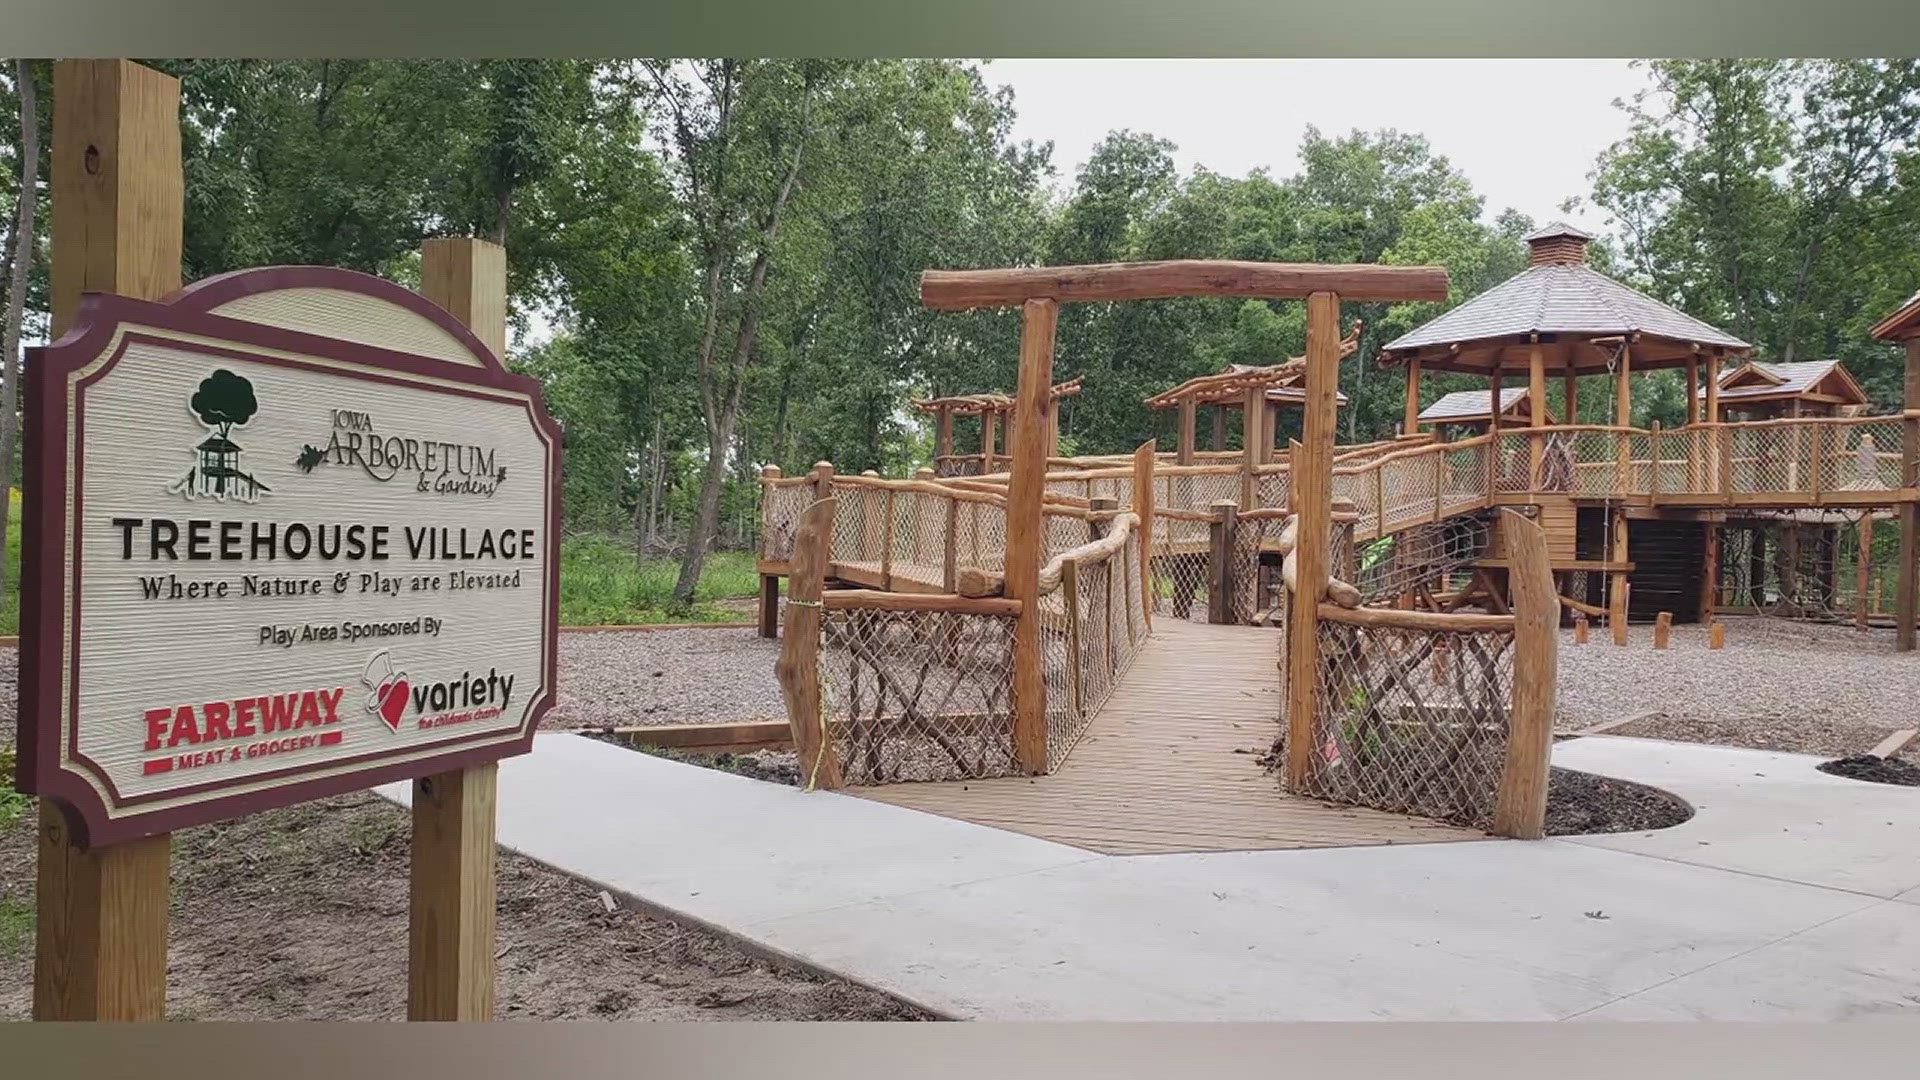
(1777, 380)
(1559, 295)
(1470, 405)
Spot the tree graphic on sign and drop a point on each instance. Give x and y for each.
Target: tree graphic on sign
(223, 402)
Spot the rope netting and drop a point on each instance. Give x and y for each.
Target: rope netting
(1419, 562)
(1091, 629)
(781, 505)
(1803, 570)
(917, 695)
(1411, 721)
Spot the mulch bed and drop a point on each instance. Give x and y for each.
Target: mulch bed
(1580, 803)
(1876, 770)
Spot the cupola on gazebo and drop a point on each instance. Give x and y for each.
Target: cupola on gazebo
(1258, 392)
(1560, 316)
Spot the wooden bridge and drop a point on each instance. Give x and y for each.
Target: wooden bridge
(1173, 763)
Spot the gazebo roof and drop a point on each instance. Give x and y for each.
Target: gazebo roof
(1902, 324)
(1561, 300)
(1470, 406)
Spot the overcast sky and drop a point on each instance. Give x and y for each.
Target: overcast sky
(1525, 132)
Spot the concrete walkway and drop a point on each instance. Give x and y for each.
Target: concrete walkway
(1790, 895)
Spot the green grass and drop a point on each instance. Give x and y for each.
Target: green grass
(10, 603)
(602, 585)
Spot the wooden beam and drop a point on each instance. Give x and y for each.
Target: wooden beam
(798, 668)
(1520, 809)
(450, 922)
(1693, 389)
(1026, 531)
(961, 289)
(450, 911)
(1537, 402)
(1311, 465)
(118, 216)
(1906, 599)
(1411, 424)
(1143, 462)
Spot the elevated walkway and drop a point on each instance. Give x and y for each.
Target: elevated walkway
(1170, 764)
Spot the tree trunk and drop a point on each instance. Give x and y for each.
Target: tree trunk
(721, 399)
(22, 268)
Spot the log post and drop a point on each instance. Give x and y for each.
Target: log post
(769, 583)
(1026, 531)
(798, 668)
(988, 419)
(1623, 418)
(1070, 597)
(1579, 628)
(1537, 407)
(1717, 635)
(1572, 394)
(1187, 434)
(1099, 527)
(1662, 629)
(1311, 468)
(1710, 578)
(1219, 426)
(943, 437)
(1617, 594)
(1863, 570)
(1496, 458)
(1521, 807)
(1253, 433)
(450, 971)
(1143, 462)
(1411, 423)
(1906, 596)
(1220, 583)
(118, 211)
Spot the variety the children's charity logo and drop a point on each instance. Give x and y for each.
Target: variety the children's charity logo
(389, 689)
(223, 402)
(435, 702)
(438, 467)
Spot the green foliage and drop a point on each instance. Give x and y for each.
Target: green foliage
(602, 584)
(1778, 199)
(10, 598)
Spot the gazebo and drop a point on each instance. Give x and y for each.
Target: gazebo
(1770, 391)
(1560, 316)
(1259, 392)
(992, 409)
(1903, 328)
(1471, 412)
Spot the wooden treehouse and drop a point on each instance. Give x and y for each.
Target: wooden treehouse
(995, 412)
(1378, 621)
(1257, 393)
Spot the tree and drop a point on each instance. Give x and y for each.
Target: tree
(224, 400)
(740, 133)
(24, 247)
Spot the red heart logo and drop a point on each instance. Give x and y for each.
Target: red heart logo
(393, 701)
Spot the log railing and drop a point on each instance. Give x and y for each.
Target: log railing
(1446, 716)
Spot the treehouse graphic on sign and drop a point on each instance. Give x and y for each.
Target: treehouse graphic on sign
(223, 402)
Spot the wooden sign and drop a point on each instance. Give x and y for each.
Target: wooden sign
(291, 533)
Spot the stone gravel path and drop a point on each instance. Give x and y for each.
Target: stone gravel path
(1777, 685)
(647, 677)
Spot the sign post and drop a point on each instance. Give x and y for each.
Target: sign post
(289, 533)
(118, 213)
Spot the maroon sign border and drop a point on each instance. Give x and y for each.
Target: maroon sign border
(45, 557)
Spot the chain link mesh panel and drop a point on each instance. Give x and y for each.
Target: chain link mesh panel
(1419, 561)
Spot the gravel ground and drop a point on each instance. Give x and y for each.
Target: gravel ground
(666, 677)
(1777, 685)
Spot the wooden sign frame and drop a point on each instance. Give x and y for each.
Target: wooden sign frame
(196, 320)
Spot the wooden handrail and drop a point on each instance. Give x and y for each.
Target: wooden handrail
(1092, 551)
(875, 600)
(1426, 621)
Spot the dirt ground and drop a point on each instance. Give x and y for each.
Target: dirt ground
(1579, 803)
(301, 914)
